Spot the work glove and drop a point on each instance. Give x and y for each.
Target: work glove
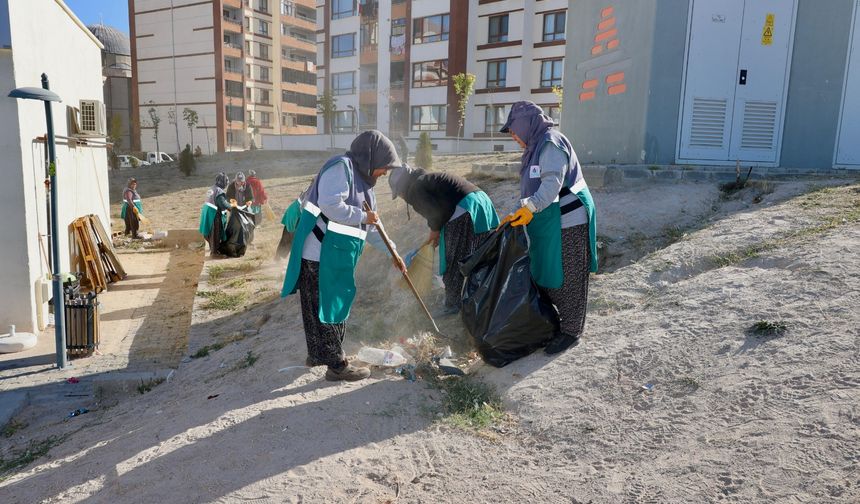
(135, 210)
(521, 217)
(234, 203)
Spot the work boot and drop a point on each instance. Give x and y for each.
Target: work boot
(311, 363)
(347, 373)
(561, 342)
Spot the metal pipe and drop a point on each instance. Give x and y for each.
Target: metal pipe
(59, 304)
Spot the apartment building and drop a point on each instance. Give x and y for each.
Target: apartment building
(246, 67)
(388, 63)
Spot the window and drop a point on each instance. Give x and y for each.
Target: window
(234, 113)
(266, 119)
(288, 7)
(497, 72)
(429, 118)
(343, 83)
(553, 111)
(262, 27)
(298, 76)
(306, 120)
(342, 9)
(430, 29)
(300, 99)
(495, 117)
(264, 74)
(430, 74)
(343, 46)
(553, 26)
(498, 29)
(233, 88)
(398, 74)
(398, 27)
(344, 121)
(264, 6)
(265, 97)
(551, 72)
(369, 35)
(264, 52)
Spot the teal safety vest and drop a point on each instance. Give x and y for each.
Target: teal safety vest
(207, 220)
(484, 218)
(124, 208)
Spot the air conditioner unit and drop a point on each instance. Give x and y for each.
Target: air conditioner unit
(92, 119)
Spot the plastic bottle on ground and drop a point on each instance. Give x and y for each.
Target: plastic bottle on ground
(379, 357)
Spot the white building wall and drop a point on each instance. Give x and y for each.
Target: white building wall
(46, 37)
(181, 31)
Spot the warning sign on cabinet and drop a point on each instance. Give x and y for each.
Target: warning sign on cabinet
(767, 31)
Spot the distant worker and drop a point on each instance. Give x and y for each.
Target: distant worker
(240, 191)
(328, 242)
(457, 212)
(131, 200)
(213, 215)
(260, 197)
(557, 209)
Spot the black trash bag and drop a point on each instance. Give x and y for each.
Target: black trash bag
(240, 233)
(506, 313)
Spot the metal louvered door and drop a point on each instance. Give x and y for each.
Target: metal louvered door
(848, 147)
(712, 60)
(736, 78)
(761, 79)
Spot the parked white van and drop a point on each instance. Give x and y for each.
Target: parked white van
(128, 161)
(158, 157)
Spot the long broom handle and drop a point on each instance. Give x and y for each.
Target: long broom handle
(391, 250)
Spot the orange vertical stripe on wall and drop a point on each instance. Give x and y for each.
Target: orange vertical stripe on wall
(588, 95)
(614, 78)
(597, 49)
(612, 44)
(605, 35)
(590, 84)
(609, 23)
(605, 13)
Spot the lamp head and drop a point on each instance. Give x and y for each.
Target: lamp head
(35, 93)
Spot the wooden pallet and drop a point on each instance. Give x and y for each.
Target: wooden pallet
(89, 256)
(113, 268)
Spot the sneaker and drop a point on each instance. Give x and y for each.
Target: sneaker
(347, 373)
(560, 343)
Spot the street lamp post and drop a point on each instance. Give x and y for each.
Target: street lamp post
(47, 96)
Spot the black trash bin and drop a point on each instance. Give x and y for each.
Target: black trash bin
(82, 324)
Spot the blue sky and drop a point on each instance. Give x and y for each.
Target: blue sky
(113, 12)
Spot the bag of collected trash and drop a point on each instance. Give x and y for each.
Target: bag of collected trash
(240, 233)
(506, 313)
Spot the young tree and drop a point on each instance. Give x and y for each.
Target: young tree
(327, 107)
(558, 91)
(115, 137)
(424, 154)
(464, 86)
(154, 121)
(191, 119)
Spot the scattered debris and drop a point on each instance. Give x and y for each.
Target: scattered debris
(73, 380)
(213, 396)
(767, 328)
(647, 387)
(78, 412)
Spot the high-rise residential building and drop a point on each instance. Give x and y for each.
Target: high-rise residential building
(390, 63)
(247, 68)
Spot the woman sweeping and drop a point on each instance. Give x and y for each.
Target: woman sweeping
(328, 242)
(132, 209)
(557, 209)
(213, 215)
(457, 213)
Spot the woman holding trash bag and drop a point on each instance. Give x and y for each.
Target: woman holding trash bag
(328, 242)
(132, 208)
(241, 191)
(213, 214)
(557, 209)
(457, 212)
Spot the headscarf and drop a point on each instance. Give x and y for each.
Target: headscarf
(252, 173)
(370, 151)
(222, 181)
(401, 179)
(131, 181)
(240, 177)
(528, 122)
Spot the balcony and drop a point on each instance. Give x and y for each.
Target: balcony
(233, 21)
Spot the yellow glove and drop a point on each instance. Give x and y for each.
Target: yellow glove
(233, 203)
(521, 217)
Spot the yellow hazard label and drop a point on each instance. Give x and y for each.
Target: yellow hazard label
(767, 30)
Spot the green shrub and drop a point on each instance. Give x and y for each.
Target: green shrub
(187, 163)
(424, 154)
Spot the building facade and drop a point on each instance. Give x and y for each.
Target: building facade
(35, 37)
(390, 64)
(703, 83)
(246, 68)
(116, 73)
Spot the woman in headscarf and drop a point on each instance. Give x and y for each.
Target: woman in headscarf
(132, 208)
(240, 191)
(457, 212)
(213, 215)
(328, 242)
(557, 209)
(260, 196)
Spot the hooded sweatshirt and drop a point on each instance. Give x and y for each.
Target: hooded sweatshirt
(434, 195)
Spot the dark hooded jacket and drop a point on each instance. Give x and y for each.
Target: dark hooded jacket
(434, 195)
(370, 151)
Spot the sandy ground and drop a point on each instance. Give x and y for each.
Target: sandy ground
(669, 398)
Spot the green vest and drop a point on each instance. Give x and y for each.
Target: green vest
(544, 232)
(124, 208)
(290, 220)
(207, 220)
(484, 218)
(341, 248)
